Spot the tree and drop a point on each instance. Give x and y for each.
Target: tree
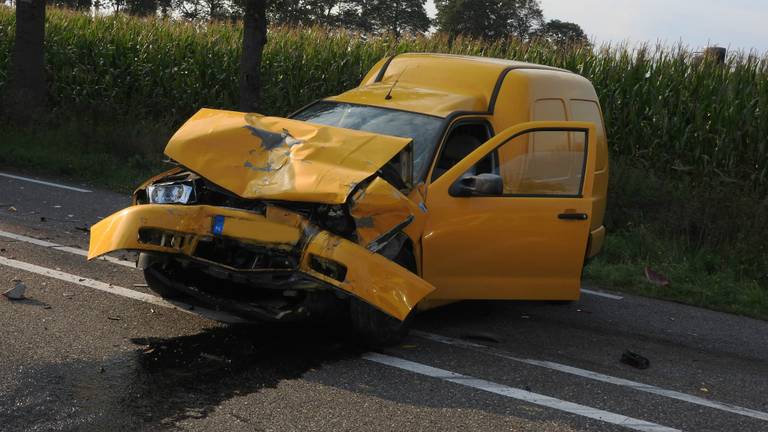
(489, 19)
(254, 39)
(396, 17)
(308, 12)
(563, 33)
(27, 91)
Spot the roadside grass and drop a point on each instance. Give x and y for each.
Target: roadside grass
(87, 153)
(702, 278)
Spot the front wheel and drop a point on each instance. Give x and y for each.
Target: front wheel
(158, 281)
(375, 327)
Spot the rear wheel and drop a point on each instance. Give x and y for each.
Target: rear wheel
(374, 326)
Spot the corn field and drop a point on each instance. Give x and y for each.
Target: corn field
(664, 106)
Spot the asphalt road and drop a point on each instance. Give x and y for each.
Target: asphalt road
(91, 349)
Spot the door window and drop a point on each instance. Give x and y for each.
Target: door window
(539, 163)
(462, 140)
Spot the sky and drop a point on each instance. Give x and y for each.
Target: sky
(734, 24)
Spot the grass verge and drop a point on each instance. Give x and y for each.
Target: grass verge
(703, 278)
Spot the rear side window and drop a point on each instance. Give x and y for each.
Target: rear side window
(549, 109)
(589, 111)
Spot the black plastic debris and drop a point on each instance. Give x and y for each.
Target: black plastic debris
(635, 360)
(481, 337)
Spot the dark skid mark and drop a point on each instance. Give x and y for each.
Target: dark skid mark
(167, 380)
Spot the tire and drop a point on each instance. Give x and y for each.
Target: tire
(157, 281)
(374, 327)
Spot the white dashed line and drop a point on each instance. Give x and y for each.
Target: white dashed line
(62, 248)
(120, 291)
(56, 185)
(519, 394)
(601, 294)
(735, 409)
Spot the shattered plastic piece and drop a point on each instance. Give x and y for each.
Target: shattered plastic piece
(656, 278)
(17, 292)
(635, 360)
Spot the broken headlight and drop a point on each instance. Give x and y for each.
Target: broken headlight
(171, 193)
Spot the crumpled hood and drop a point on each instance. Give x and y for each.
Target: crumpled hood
(254, 156)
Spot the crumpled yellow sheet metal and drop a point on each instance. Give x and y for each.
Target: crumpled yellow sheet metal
(379, 208)
(370, 276)
(279, 159)
(121, 230)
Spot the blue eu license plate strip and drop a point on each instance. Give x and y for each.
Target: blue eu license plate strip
(218, 225)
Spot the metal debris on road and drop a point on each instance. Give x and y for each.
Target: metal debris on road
(635, 360)
(17, 292)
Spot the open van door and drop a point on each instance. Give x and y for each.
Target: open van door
(511, 220)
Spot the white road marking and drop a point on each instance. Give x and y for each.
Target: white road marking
(735, 409)
(31, 180)
(601, 294)
(519, 394)
(120, 291)
(68, 249)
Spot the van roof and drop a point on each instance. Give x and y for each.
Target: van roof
(437, 84)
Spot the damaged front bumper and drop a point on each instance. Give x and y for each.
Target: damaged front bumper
(276, 250)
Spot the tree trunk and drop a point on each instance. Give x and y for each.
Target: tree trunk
(27, 91)
(254, 39)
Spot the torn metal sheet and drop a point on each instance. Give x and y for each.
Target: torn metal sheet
(379, 208)
(254, 156)
(366, 275)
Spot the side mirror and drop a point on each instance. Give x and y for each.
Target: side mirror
(481, 184)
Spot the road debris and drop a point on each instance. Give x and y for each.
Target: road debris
(140, 285)
(635, 360)
(656, 278)
(215, 358)
(12, 209)
(113, 318)
(482, 337)
(17, 292)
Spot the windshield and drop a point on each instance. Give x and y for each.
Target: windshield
(423, 129)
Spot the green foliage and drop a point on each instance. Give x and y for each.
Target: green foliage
(562, 33)
(689, 173)
(489, 19)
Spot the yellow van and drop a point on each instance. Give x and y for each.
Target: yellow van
(439, 178)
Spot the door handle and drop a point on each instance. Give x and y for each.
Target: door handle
(573, 216)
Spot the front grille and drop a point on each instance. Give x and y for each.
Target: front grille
(244, 256)
(163, 238)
